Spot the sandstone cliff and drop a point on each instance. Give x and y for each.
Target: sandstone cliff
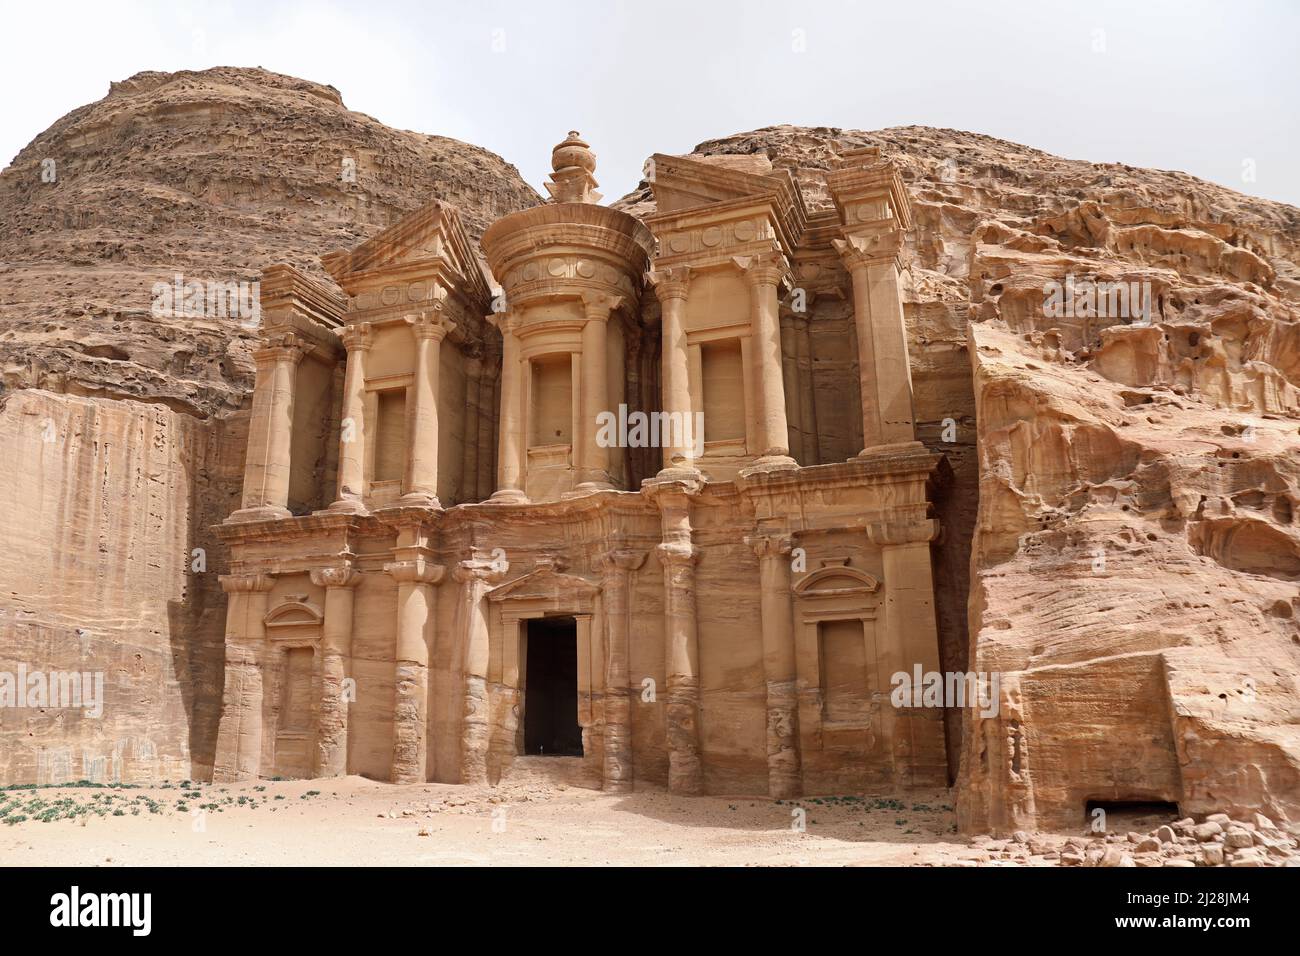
(123, 436)
(1126, 489)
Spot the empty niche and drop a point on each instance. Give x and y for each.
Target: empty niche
(552, 400)
(844, 670)
(295, 708)
(722, 374)
(390, 435)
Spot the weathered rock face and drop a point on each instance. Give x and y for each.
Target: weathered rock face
(123, 428)
(1134, 555)
(211, 175)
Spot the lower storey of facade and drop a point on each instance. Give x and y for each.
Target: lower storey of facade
(719, 637)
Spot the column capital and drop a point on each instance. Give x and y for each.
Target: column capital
(764, 268)
(246, 583)
(431, 323)
(486, 570)
(358, 337)
(770, 545)
(335, 576)
(599, 305)
(865, 249)
(620, 559)
(415, 571)
(887, 533)
(282, 347)
(670, 283)
(505, 321)
(677, 554)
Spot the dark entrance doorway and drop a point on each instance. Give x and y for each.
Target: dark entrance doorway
(551, 688)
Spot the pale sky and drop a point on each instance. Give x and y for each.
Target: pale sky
(1207, 88)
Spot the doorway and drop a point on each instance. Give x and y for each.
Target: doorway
(551, 688)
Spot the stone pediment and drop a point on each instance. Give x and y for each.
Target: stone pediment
(681, 183)
(684, 189)
(547, 584)
(295, 611)
(836, 581)
(430, 236)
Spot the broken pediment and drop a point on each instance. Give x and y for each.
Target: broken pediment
(682, 183)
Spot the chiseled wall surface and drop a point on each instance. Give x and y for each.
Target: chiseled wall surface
(106, 504)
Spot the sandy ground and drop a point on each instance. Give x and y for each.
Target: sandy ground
(353, 821)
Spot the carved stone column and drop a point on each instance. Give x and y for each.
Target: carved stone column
(805, 381)
(616, 568)
(430, 328)
(884, 368)
(476, 576)
(681, 635)
(784, 778)
(510, 440)
(595, 470)
(764, 274)
(472, 358)
(357, 339)
(671, 286)
(336, 652)
(919, 755)
(489, 388)
(239, 734)
(270, 431)
(790, 377)
(415, 579)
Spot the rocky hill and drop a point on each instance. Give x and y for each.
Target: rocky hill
(1120, 539)
(211, 175)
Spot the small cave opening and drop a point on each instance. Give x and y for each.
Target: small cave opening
(1137, 814)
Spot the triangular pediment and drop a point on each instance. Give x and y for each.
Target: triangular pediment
(432, 235)
(545, 584)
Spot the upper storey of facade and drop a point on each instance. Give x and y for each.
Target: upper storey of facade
(720, 337)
